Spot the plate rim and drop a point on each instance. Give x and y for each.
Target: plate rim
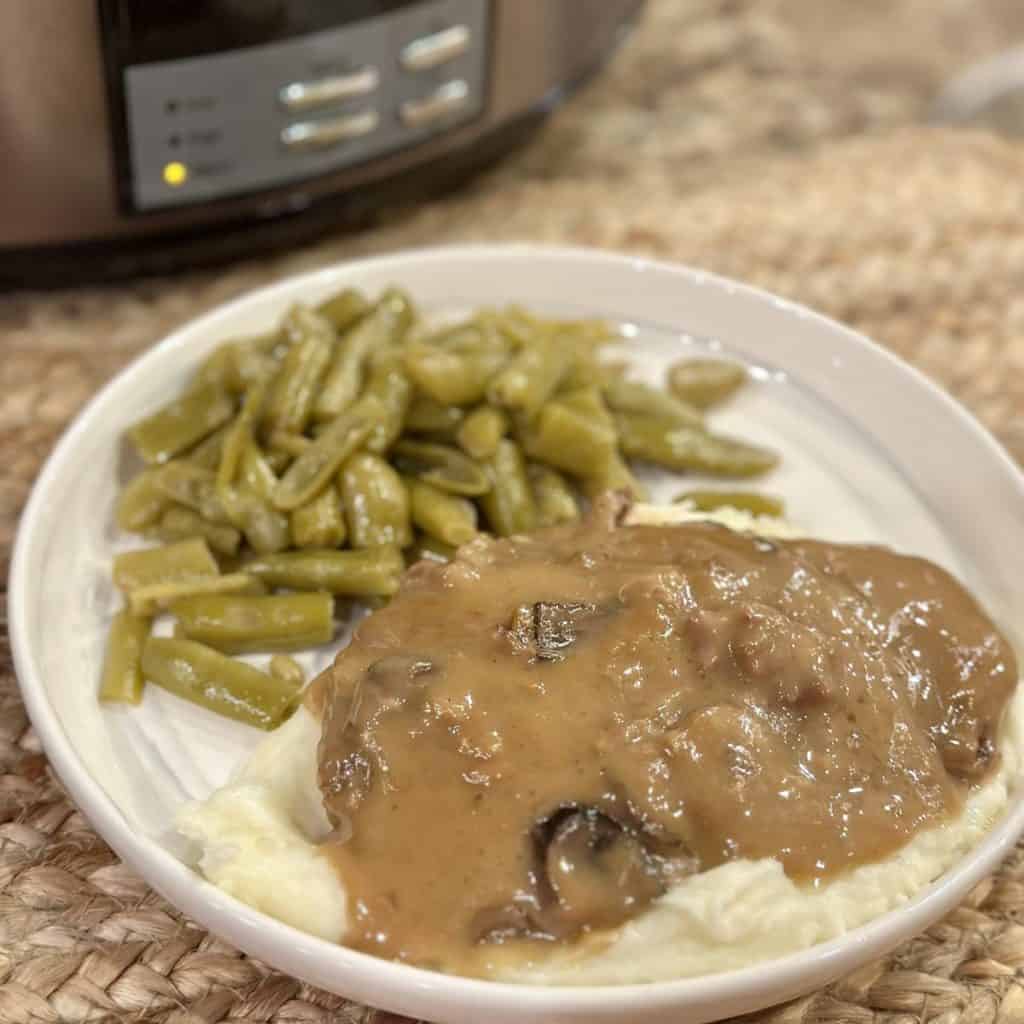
(416, 990)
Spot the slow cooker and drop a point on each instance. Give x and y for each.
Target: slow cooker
(143, 135)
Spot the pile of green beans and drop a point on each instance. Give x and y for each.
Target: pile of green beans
(319, 459)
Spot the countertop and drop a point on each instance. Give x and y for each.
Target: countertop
(779, 141)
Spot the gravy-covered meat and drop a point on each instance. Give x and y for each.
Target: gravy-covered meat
(536, 740)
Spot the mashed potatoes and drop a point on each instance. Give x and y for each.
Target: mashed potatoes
(257, 839)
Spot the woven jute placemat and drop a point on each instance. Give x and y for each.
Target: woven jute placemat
(914, 236)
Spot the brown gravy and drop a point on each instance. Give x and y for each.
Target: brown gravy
(534, 741)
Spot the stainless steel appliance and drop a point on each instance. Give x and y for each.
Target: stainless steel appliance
(141, 135)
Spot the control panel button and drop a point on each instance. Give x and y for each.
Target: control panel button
(239, 121)
(437, 48)
(301, 96)
(449, 99)
(308, 135)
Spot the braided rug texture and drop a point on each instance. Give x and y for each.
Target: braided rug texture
(719, 143)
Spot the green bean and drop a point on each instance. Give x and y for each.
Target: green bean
(515, 324)
(240, 433)
(509, 505)
(181, 523)
(277, 461)
(293, 391)
(206, 677)
(299, 323)
(290, 444)
(591, 333)
(588, 333)
(569, 440)
(479, 338)
(425, 416)
(631, 396)
(186, 560)
(181, 424)
(212, 508)
(532, 377)
(207, 454)
(234, 365)
(446, 517)
(615, 475)
(705, 382)
(442, 466)
(582, 373)
(482, 429)
(241, 625)
(270, 343)
(524, 329)
(590, 403)
(319, 523)
(746, 501)
(287, 670)
(256, 474)
(217, 370)
(344, 309)
(368, 571)
(451, 378)
(253, 366)
(488, 337)
(376, 502)
(121, 682)
(307, 476)
(682, 448)
(385, 402)
(428, 549)
(185, 482)
(587, 372)
(471, 337)
(142, 502)
(554, 498)
(266, 528)
(157, 597)
(193, 487)
(383, 326)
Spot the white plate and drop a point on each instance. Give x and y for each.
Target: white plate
(873, 451)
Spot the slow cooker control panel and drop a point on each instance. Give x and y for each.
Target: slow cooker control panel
(241, 120)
